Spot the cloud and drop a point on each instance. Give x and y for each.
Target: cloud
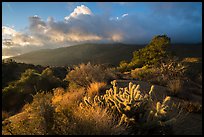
(119, 18)
(78, 11)
(8, 31)
(124, 15)
(82, 26)
(13, 38)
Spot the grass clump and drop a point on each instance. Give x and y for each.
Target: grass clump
(175, 86)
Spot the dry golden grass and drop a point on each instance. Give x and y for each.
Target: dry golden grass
(73, 97)
(192, 60)
(63, 100)
(58, 93)
(96, 121)
(95, 88)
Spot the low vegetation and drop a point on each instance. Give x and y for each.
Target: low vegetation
(85, 74)
(18, 92)
(73, 113)
(86, 99)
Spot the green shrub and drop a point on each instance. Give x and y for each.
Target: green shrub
(123, 66)
(17, 93)
(152, 54)
(143, 73)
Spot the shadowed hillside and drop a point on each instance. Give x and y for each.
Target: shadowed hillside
(97, 53)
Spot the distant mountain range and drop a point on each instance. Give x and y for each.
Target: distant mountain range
(96, 53)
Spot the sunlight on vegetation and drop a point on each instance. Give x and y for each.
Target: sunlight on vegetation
(153, 94)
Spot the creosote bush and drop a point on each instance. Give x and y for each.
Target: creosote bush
(85, 74)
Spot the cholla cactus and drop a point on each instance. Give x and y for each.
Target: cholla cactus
(131, 104)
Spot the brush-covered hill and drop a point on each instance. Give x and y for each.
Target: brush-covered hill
(96, 53)
(73, 55)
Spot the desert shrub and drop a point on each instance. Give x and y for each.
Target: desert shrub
(12, 100)
(85, 74)
(152, 54)
(12, 70)
(118, 111)
(172, 68)
(136, 63)
(192, 107)
(175, 86)
(36, 118)
(86, 121)
(143, 73)
(72, 119)
(199, 78)
(19, 90)
(123, 66)
(135, 108)
(63, 100)
(53, 115)
(48, 80)
(169, 70)
(4, 115)
(58, 93)
(17, 93)
(96, 121)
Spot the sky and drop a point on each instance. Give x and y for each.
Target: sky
(28, 26)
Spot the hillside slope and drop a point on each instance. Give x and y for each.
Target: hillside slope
(96, 53)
